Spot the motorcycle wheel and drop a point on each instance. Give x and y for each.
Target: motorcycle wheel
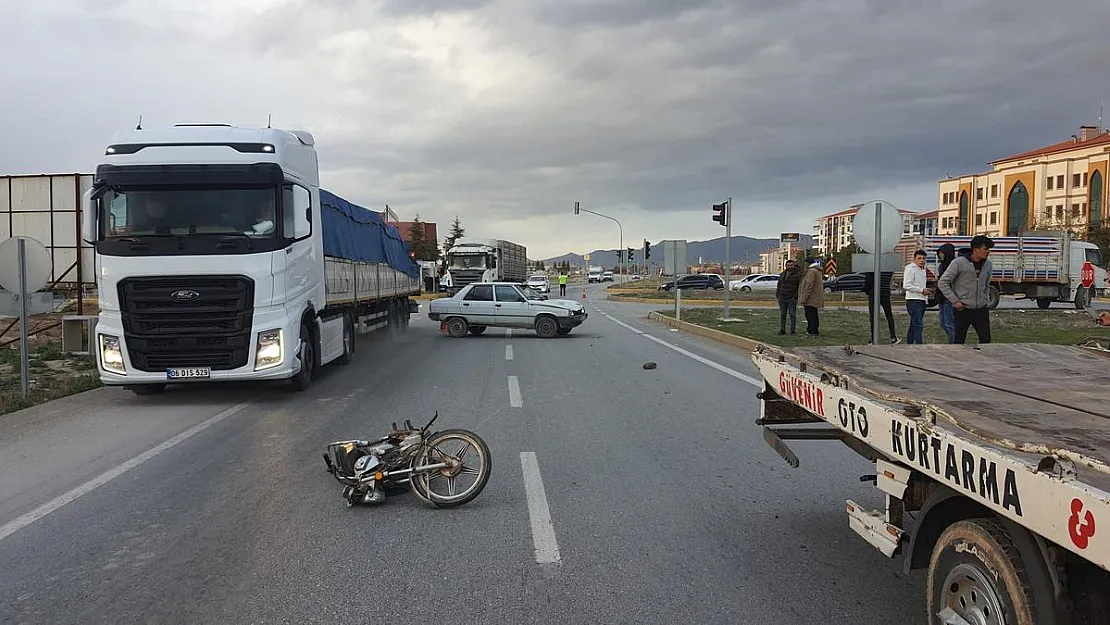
(459, 444)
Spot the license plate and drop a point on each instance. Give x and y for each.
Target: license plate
(189, 373)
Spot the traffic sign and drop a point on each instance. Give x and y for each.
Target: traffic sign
(830, 267)
(1087, 275)
(863, 227)
(37, 261)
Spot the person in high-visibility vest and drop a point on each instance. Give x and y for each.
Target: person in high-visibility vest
(562, 284)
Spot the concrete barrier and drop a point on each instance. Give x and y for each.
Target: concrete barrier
(741, 342)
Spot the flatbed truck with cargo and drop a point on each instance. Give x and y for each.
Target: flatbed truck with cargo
(994, 461)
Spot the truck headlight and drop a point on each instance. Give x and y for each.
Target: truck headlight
(268, 352)
(111, 356)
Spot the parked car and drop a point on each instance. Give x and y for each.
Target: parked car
(701, 281)
(539, 282)
(763, 282)
(480, 305)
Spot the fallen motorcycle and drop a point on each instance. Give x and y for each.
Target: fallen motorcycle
(410, 457)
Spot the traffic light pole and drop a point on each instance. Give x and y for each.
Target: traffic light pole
(620, 250)
(728, 259)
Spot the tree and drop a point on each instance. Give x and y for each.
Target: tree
(457, 231)
(1101, 238)
(843, 257)
(422, 248)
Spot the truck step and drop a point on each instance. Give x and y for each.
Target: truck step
(872, 526)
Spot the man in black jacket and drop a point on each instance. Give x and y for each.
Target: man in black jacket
(884, 301)
(947, 317)
(787, 295)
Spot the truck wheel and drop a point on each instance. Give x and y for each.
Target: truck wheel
(348, 341)
(456, 327)
(993, 297)
(1083, 297)
(403, 310)
(546, 327)
(977, 573)
(1043, 302)
(303, 379)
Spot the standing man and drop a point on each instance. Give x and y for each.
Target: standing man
(884, 302)
(562, 284)
(914, 279)
(811, 295)
(946, 314)
(966, 284)
(786, 292)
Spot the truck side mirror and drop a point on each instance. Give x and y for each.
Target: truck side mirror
(302, 211)
(88, 215)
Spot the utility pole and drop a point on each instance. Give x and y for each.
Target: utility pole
(620, 249)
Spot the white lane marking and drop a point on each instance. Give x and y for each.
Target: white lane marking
(705, 361)
(508, 333)
(508, 352)
(23, 521)
(543, 531)
(515, 399)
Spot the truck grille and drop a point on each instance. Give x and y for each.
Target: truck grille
(461, 278)
(210, 329)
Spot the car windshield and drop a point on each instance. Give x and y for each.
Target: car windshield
(185, 212)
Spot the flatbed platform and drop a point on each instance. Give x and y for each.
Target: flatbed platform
(1034, 398)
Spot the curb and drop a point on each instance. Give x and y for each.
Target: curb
(741, 342)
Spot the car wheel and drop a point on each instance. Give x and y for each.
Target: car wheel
(476, 330)
(546, 327)
(456, 327)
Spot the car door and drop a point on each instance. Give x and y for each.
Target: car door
(512, 307)
(478, 306)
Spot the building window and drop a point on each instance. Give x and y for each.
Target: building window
(1075, 178)
(1060, 181)
(1075, 210)
(1050, 180)
(979, 219)
(994, 190)
(1084, 178)
(1060, 212)
(994, 218)
(979, 194)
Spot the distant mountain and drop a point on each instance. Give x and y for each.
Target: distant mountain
(743, 250)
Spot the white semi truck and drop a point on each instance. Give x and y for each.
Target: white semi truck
(484, 261)
(220, 258)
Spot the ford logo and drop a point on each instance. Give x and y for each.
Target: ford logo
(184, 295)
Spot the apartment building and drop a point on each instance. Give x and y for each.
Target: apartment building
(926, 224)
(833, 232)
(1055, 187)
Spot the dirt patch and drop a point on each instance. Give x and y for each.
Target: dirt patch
(52, 373)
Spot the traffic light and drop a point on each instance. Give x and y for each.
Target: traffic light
(647, 250)
(620, 256)
(719, 209)
(576, 208)
(630, 250)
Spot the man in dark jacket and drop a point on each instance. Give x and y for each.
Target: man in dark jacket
(945, 254)
(966, 283)
(786, 293)
(884, 301)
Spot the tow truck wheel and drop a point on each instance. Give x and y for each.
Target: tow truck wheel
(976, 573)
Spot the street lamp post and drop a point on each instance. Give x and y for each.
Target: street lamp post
(578, 208)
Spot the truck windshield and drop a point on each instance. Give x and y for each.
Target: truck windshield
(468, 261)
(1094, 257)
(184, 212)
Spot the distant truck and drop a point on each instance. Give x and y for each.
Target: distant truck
(1047, 267)
(484, 261)
(220, 258)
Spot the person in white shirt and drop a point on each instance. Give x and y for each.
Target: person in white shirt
(914, 279)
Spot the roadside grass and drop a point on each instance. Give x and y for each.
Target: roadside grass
(53, 374)
(841, 327)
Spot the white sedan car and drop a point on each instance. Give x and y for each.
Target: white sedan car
(503, 304)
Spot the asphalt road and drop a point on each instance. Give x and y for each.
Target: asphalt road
(211, 504)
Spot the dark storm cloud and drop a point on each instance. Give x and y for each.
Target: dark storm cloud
(505, 109)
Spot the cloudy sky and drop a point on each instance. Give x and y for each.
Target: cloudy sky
(507, 112)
